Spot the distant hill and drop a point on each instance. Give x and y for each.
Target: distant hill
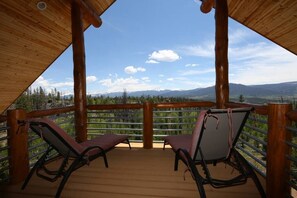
(251, 92)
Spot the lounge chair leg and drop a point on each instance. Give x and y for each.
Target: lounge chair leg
(195, 174)
(176, 161)
(36, 165)
(30, 175)
(105, 160)
(200, 188)
(128, 142)
(66, 176)
(252, 173)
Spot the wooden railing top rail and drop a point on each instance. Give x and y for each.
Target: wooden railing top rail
(114, 106)
(184, 104)
(48, 112)
(259, 109)
(155, 105)
(292, 115)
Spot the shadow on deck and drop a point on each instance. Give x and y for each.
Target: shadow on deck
(132, 173)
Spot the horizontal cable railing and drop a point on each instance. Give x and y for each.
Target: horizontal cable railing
(252, 143)
(176, 118)
(4, 157)
(122, 119)
(174, 121)
(292, 156)
(168, 118)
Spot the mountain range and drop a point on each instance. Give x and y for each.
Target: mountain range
(252, 93)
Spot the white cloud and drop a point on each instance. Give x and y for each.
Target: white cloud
(206, 50)
(163, 56)
(133, 70)
(65, 87)
(40, 82)
(251, 60)
(146, 79)
(237, 36)
(197, 72)
(130, 84)
(151, 62)
(91, 79)
(262, 63)
(189, 83)
(192, 65)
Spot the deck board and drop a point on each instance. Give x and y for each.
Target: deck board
(132, 173)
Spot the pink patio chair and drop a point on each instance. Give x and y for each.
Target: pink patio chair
(75, 155)
(212, 141)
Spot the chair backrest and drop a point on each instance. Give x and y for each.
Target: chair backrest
(56, 137)
(216, 132)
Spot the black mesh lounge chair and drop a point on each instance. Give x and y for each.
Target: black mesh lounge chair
(213, 141)
(75, 155)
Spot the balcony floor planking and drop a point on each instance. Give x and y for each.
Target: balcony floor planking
(132, 173)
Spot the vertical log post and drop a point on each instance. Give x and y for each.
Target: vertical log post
(18, 146)
(79, 73)
(147, 125)
(277, 164)
(221, 53)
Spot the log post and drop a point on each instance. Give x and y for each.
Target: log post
(18, 146)
(147, 125)
(221, 53)
(277, 176)
(79, 73)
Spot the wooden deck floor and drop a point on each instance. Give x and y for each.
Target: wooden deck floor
(135, 173)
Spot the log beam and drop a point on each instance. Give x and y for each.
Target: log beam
(207, 5)
(221, 53)
(89, 13)
(79, 73)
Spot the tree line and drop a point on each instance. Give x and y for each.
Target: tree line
(39, 99)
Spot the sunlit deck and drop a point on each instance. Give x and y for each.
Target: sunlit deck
(131, 173)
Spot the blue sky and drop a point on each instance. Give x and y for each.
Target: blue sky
(167, 44)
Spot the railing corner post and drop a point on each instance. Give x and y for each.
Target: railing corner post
(277, 164)
(18, 146)
(147, 125)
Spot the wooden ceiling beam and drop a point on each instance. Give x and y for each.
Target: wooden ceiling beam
(207, 5)
(89, 13)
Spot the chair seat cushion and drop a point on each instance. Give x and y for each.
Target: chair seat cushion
(106, 142)
(179, 141)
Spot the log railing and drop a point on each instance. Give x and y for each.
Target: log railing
(4, 157)
(143, 120)
(277, 117)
